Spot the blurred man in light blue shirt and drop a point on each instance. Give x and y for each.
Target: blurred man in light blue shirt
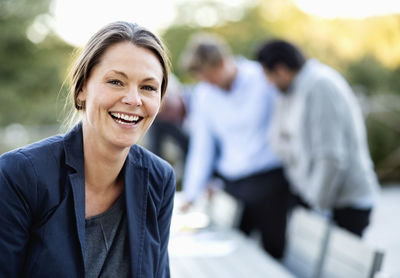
(231, 108)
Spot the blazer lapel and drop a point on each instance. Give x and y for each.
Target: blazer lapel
(136, 191)
(73, 146)
(78, 190)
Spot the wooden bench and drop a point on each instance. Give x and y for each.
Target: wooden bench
(317, 248)
(348, 256)
(306, 243)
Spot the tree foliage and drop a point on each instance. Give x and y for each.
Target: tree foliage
(31, 74)
(349, 45)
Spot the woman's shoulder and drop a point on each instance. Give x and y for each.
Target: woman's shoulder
(35, 164)
(147, 159)
(161, 176)
(36, 151)
(23, 168)
(158, 168)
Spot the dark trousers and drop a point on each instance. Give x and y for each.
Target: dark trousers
(265, 198)
(352, 219)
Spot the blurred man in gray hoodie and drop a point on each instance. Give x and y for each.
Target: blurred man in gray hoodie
(318, 131)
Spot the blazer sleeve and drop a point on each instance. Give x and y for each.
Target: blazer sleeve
(164, 221)
(17, 201)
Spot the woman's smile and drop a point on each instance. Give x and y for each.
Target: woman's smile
(126, 119)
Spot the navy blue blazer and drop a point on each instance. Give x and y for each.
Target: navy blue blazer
(42, 209)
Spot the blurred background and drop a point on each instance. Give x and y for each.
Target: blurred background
(361, 39)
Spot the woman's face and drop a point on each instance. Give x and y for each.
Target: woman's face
(122, 95)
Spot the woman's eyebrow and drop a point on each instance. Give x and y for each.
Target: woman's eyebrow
(150, 79)
(119, 73)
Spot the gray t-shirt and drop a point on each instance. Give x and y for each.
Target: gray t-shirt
(107, 245)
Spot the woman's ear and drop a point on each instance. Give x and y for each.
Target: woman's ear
(81, 99)
(82, 94)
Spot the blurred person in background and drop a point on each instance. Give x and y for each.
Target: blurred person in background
(170, 124)
(92, 203)
(318, 131)
(170, 119)
(231, 108)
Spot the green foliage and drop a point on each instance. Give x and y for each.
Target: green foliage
(245, 35)
(384, 145)
(373, 76)
(31, 74)
(175, 39)
(381, 139)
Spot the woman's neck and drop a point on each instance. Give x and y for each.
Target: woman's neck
(102, 166)
(102, 170)
(103, 180)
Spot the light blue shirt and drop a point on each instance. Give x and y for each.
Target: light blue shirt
(229, 129)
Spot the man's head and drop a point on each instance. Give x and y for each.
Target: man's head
(207, 57)
(281, 61)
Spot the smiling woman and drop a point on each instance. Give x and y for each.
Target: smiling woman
(91, 203)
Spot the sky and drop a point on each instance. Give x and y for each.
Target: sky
(76, 20)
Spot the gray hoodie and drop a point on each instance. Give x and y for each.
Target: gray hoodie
(318, 131)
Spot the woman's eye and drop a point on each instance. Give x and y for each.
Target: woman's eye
(149, 88)
(115, 82)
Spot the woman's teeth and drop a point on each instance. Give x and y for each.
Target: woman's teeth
(124, 118)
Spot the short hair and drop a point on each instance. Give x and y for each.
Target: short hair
(109, 35)
(274, 52)
(203, 50)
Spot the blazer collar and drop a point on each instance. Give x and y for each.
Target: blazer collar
(73, 146)
(73, 149)
(136, 176)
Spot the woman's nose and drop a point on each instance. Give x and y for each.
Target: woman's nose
(132, 98)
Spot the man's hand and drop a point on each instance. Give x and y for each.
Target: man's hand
(186, 206)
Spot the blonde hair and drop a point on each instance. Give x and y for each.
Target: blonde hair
(95, 48)
(203, 50)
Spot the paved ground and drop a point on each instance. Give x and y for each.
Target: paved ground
(384, 231)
